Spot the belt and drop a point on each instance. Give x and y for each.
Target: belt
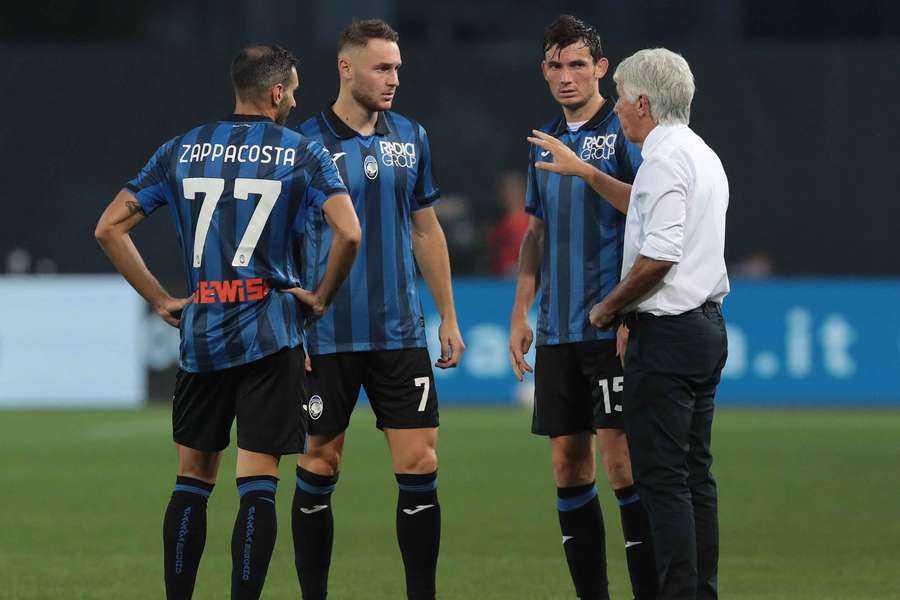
(633, 318)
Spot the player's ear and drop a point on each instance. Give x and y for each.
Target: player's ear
(544, 70)
(277, 94)
(601, 67)
(345, 69)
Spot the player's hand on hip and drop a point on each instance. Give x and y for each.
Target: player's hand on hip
(621, 343)
(520, 338)
(452, 345)
(565, 161)
(311, 300)
(601, 317)
(170, 309)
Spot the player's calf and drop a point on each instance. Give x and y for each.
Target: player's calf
(580, 516)
(419, 532)
(635, 523)
(584, 539)
(312, 524)
(253, 538)
(184, 535)
(255, 527)
(414, 455)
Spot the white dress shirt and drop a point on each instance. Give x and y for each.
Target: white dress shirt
(677, 214)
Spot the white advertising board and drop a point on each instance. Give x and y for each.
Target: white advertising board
(71, 341)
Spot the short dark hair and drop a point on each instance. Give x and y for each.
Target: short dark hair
(259, 67)
(358, 33)
(567, 30)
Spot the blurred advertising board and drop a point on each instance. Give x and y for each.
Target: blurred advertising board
(792, 342)
(91, 341)
(71, 341)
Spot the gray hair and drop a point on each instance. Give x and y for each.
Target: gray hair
(665, 78)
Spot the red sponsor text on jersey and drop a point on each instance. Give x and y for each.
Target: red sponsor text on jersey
(230, 291)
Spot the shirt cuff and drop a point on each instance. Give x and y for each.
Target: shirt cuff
(660, 249)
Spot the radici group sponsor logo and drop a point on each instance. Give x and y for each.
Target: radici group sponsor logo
(598, 147)
(398, 154)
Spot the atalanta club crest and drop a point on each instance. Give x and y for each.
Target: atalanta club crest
(316, 407)
(370, 166)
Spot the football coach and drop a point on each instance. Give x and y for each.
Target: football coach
(670, 298)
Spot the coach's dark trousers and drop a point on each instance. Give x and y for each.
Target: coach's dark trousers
(672, 367)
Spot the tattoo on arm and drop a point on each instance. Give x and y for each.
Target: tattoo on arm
(133, 207)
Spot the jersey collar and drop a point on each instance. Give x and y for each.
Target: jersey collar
(345, 132)
(592, 123)
(247, 118)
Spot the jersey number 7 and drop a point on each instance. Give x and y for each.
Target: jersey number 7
(212, 188)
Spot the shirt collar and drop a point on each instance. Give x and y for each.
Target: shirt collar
(247, 118)
(656, 137)
(593, 122)
(345, 132)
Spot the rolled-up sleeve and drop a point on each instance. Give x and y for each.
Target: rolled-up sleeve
(663, 204)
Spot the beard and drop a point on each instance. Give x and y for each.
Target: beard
(284, 110)
(370, 101)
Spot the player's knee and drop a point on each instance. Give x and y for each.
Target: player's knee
(323, 454)
(618, 470)
(420, 463)
(201, 465)
(572, 469)
(321, 461)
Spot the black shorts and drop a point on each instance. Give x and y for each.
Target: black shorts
(399, 384)
(577, 387)
(265, 396)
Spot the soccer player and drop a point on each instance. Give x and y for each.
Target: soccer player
(572, 250)
(373, 337)
(239, 190)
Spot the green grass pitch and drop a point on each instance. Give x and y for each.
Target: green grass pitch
(808, 508)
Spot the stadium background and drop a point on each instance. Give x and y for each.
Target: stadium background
(799, 99)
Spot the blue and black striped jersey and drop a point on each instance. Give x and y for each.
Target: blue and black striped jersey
(582, 257)
(389, 175)
(239, 191)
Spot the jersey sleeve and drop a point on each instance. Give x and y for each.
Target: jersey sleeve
(663, 200)
(532, 191)
(326, 179)
(628, 156)
(426, 191)
(150, 187)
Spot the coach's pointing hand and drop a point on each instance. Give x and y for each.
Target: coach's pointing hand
(520, 338)
(169, 309)
(565, 161)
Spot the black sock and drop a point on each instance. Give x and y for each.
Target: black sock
(419, 532)
(638, 544)
(584, 539)
(184, 535)
(254, 536)
(312, 522)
